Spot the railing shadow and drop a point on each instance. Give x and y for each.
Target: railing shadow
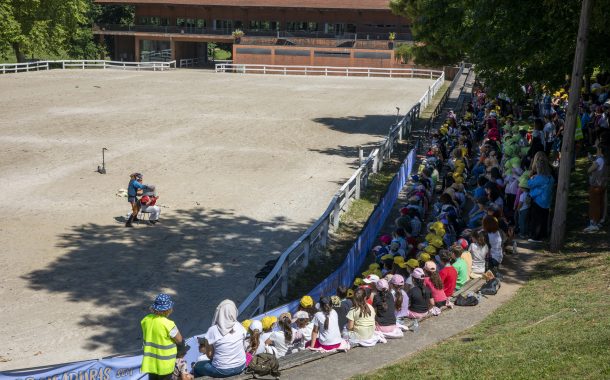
(201, 256)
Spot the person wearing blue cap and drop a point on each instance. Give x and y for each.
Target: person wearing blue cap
(160, 339)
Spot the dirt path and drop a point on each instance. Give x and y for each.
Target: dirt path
(243, 164)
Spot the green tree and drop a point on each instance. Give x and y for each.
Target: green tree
(29, 26)
(510, 42)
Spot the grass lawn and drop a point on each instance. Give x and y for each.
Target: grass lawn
(556, 327)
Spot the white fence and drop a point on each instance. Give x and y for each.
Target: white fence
(314, 241)
(85, 64)
(331, 71)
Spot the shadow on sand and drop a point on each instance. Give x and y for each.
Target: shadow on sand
(199, 256)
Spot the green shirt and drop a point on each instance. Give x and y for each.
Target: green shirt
(461, 267)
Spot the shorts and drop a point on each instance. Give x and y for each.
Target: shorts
(131, 199)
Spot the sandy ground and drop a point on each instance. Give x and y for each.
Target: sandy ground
(243, 164)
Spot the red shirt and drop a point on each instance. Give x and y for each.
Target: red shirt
(449, 276)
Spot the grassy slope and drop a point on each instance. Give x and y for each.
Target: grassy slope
(557, 326)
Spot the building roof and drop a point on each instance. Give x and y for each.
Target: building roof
(322, 4)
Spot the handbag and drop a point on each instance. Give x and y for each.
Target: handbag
(491, 287)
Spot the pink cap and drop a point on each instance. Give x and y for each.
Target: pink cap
(382, 285)
(385, 239)
(418, 273)
(397, 280)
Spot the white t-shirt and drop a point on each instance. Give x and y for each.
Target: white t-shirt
(523, 199)
(600, 163)
(333, 334)
(229, 350)
(279, 342)
(478, 257)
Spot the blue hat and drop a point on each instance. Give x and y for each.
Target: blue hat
(163, 302)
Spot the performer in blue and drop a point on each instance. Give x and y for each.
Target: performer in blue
(134, 189)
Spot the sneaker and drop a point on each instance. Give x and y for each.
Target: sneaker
(515, 251)
(591, 228)
(534, 241)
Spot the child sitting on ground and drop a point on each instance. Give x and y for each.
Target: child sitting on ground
(279, 342)
(304, 327)
(181, 371)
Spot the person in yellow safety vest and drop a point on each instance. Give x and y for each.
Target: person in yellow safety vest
(160, 339)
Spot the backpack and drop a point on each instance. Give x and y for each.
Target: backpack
(491, 287)
(263, 365)
(466, 301)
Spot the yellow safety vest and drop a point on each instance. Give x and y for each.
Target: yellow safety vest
(159, 349)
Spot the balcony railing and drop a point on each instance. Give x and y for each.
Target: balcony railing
(360, 36)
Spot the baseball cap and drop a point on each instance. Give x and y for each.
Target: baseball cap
(306, 301)
(385, 239)
(430, 266)
(256, 325)
(300, 315)
(382, 285)
(268, 322)
(418, 273)
(462, 243)
(371, 279)
(397, 280)
(412, 263)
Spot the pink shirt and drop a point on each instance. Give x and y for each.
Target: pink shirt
(437, 294)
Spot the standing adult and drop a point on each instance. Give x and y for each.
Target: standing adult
(160, 337)
(223, 344)
(597, 190)
(541, 192)
(134, 189)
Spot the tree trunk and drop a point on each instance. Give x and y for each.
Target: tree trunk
(18, 53)
(567, 146)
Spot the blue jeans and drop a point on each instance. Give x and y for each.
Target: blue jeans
(205, 368)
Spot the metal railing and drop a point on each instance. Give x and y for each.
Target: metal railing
(337, 71)
(174, 29)
(85, 64)
(314, 241)
(439, 107)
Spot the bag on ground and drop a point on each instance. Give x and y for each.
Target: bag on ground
(491, 287)
(264, 365)
(466, 301)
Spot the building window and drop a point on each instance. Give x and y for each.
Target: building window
(224, 24)
(336, 29)
(190, 23)
(155, 51)
(301, 26)
(264, 25)
(154, 20)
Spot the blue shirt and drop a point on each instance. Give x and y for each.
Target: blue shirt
(132, 188)
(541, 190)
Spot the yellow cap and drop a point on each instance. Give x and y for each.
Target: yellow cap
(350, 293)
(398, 260)
(389, 256)
(268, 322)
(373, 266)
(424, 257)
(436, 243)
(306, 301)
(357, 281)
(412, 263)
(246, 323)
(430, 249)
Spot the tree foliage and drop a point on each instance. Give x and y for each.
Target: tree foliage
(510, 42)
(59, 28)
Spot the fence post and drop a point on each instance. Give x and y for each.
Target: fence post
(324, 238)
(360, 155)
(284, 70)
(284, 276)
(261, 302)
(358, 183)
(83, 64)
(63, 65)
(336, 212)
(306, 252)
(375, 162)
(326, 71)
